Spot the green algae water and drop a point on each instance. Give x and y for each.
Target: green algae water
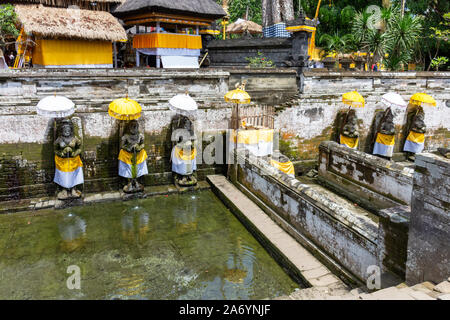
(187, 246)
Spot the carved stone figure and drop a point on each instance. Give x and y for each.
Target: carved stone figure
(69, 168)
(387, 123)
(384, 140)
(184, 151)
(415, 140)
(132, 158)
(418, 124)
(350, 128)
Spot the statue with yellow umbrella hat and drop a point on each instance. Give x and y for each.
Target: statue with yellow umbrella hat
(415, 140)
(348, 134)
(237, 96)
(132, 156)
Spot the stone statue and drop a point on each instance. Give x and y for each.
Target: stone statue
(349, 131)
(385, 137)
(387, 123)
(415, 140)
(350, 128)
(132, 158)
(184, 152)
(69, 168)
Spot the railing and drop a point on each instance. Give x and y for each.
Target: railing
(254, 116)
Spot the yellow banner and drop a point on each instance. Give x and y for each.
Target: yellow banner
(385, 139)
(287, 167)
(179, 152)
(72, 52)
(127, 157)
(167, 40)
(350, 142)
(416, 137)
(68, 164)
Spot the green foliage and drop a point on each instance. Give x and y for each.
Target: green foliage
(401, 37)
(260, 61)
(438, 62)
(337, 43)
(7, 23)
(238, 8)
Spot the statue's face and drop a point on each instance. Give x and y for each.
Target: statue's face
(134, 128)
(66, 131)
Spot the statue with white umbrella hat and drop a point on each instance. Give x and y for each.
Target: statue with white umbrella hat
(67, 146)
(184, 151)
(385, 135)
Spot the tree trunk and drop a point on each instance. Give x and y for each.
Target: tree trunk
(276, 12)
(287, 7)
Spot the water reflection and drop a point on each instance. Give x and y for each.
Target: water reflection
(135, 225)
(186, 217)
(72, 230)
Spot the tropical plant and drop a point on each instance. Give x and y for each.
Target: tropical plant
(401, 37)
(361, 27)
(438, 62)
(336, 44)
(260, 61)
(7, 23)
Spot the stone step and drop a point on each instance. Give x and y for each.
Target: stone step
(391, 293)
(443, 287)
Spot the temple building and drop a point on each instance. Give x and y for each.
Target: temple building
(64, 36)
(168, 32)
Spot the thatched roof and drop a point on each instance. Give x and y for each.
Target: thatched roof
(58, 3)
(63, 23)
(241, 26)
(198, 8)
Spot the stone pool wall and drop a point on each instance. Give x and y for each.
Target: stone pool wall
(26, 139)
(311, 119)
(304, 119)
(344, 240)
(428, 243)
(364, 177)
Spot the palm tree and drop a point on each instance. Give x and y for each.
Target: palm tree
(336, 43)
(401, 36)
(361, 27)
(376, 44)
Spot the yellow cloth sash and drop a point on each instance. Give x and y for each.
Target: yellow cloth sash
(385, 139)
(68, 164)
(416, 137)
(253, 136)
(179, 152)
(127, 157)
(350, 142)
(287, 167)
(167, 40)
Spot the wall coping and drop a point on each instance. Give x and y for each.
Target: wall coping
(382, 74)
(114, 73)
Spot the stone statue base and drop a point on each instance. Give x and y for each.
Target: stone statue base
(69, 194)
(185, 181)
(133, 186)
(445, 152)
(63, 204)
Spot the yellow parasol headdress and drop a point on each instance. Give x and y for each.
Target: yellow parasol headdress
(353, 99)
(125, 109)
(239, 96)
(422, 99)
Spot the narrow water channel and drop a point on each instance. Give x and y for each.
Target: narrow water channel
(186, 246)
